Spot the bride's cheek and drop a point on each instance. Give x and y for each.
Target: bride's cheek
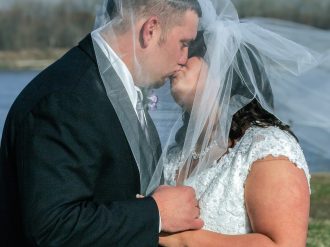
(178, 95)
(179, 88)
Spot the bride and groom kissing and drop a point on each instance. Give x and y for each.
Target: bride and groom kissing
(78, 147)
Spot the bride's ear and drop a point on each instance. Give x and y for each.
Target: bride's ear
(150, 32)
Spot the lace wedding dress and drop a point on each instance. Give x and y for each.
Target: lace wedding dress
(220, 188)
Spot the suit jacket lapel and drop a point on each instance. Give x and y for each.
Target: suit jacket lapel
(146, 155)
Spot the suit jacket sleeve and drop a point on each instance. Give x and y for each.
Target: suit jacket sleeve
(58, 171)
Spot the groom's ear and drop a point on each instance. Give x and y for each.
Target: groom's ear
(150, 32)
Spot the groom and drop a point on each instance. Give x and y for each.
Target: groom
(73, 150)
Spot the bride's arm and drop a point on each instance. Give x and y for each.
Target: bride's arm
(277, 202)
(210, 239)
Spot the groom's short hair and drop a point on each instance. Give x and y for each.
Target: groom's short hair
(168, 11)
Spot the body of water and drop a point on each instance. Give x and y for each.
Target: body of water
(11, 83)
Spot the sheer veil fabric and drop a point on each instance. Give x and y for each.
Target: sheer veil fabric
(248, 59)
(128, 38)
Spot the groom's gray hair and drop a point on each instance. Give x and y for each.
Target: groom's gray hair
(169, 12)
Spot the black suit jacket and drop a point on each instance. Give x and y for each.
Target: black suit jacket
(68, 176)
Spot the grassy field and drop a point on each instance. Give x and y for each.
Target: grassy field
(319, 226)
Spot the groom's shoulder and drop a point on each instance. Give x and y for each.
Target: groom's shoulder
(74, 65)
(74, 73)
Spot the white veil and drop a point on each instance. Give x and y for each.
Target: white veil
(251, 59)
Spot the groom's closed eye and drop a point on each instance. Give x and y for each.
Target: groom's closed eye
(186, 43)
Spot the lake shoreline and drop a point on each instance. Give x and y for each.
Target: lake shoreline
(321, 174)
(32, 59)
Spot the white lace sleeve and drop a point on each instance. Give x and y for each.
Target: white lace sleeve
(276, 142)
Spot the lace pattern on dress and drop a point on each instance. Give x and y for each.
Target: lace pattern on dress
(220, 188)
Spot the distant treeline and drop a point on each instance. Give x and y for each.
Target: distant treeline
(29, 25)
(311, 12)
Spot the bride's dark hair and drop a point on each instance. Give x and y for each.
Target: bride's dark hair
(253, 114)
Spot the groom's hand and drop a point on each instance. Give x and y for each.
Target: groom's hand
(178, 208)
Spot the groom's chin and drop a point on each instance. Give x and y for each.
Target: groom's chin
(161, 82)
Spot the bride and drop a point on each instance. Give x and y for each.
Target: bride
(246, 166)
(257, 193)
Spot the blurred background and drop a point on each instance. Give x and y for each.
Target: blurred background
(34, 33)
(54, 24)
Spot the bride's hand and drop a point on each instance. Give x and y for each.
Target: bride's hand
(171, 240)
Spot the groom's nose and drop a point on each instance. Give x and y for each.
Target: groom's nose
(184, 57)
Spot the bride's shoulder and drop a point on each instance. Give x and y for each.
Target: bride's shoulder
(272, 135)
(273, 143)
(261, 142)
